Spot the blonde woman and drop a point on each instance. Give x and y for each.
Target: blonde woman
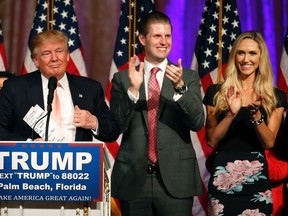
(244, 114)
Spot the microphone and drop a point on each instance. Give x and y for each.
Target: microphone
(52, 84)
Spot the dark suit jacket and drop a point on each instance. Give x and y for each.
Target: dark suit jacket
(21, 92)
(176, 155)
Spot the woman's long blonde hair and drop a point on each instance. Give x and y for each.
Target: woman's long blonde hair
(263, 84)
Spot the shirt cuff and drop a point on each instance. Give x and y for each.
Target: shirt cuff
(132, 97)
(95, 132)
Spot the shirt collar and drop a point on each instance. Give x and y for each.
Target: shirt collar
(63, 81)
(148, 66)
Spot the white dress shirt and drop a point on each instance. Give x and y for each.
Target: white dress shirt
(66, 104)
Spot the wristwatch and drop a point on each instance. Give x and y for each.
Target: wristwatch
(181, 89)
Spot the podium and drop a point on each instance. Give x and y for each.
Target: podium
(49, 179)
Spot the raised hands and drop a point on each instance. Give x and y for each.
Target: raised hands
(174, 73)
(135, 77)
(254, 107)
(233, 99)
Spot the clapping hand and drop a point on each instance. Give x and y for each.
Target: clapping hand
(135, 77)
(254, 106)
(233, 99)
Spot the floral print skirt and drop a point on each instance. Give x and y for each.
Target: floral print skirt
(239, 185)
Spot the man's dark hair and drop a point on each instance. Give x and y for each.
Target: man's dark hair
(153, 17)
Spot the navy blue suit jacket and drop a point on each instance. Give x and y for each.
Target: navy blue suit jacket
(21, 92)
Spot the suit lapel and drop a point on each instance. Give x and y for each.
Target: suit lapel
(166, 94)
(34, 90)
(142, 102)
(76, 92)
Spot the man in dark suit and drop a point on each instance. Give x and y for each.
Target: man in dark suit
(84, 113)
(166, 184)
(4, 75)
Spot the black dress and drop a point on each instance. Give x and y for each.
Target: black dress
(239, 183)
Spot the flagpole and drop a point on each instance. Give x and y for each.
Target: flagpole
(134, 27)
(48, 13)
(129, 31)
(219, 74)
(51, 6)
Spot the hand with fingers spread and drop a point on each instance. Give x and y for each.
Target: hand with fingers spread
(233, 99)
(175, 73)
(135, 77)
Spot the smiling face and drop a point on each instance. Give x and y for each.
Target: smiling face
(247, 57)
(157, 42)
(52, 58)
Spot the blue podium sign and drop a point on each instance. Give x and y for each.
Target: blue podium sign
(44, 171)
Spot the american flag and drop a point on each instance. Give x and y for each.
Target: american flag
(3, 61)
(127, 45)
(58, 15)
(282, 81)
(210, 62)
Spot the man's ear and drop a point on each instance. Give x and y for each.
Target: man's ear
(35, 62)
(142, 39)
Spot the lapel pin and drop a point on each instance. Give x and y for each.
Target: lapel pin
(80, 96)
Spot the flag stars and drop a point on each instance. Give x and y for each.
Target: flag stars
(135, 45)
(132, 4)
(55, 10)
(126, 29)
(229, 48)
(62, 26)
(225, 20)
(233, 36)
(72, 31)
(45, 5)
(210, 40)
(222, 44)
(64, 14)
(235, 24)
(70, 42)
(213, 28)
(142, 9)
(74, 18)
(215, 15)
(205, 64)
(208, 52)
(202, 20)
(119, 53)
(123, 41)
(67, 2)
(228, 7)
(224, 31)
(53, 22)
(42, 18)
(39, 29)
